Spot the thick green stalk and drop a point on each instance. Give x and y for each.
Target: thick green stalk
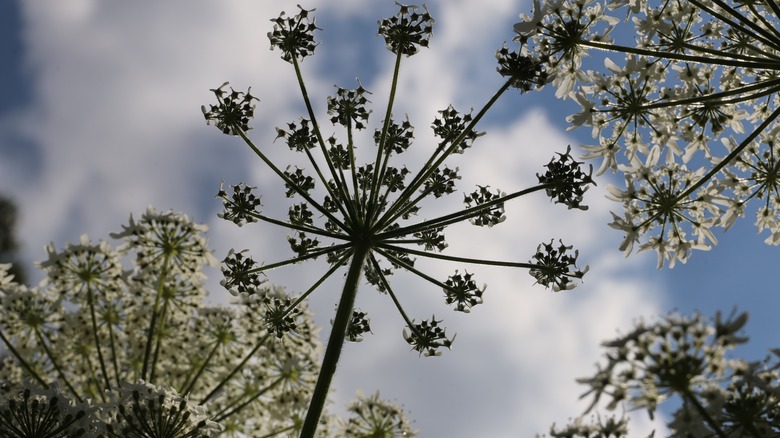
(336, 340)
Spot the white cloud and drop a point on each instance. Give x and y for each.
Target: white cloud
(116, 117)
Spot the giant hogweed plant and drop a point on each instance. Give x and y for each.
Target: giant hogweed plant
(365, 218)
(685, 107)
(111, 347)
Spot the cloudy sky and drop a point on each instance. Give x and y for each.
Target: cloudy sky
(100, 117)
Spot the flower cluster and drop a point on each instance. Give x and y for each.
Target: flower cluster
(365, 217)
(694, 99)
(684, 359)
(293, 35)
(406, 32)
(568, 181)
(95, 325)
(556, 266)
(234, 109)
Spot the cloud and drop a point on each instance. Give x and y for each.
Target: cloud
(116, 119)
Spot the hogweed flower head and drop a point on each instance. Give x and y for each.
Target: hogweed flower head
(697, 85)
(364, 217)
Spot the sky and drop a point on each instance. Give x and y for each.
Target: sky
(100, 117)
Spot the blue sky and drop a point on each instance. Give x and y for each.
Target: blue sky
(100, 117)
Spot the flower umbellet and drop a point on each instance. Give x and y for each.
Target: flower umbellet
(364, 217)
(694, 97)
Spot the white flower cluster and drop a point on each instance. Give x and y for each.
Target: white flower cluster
(689, 115)
(75, 342)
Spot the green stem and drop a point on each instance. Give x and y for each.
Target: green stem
(733, 154)
(91, 301)
(158, 342)
(393, 297)
(264, 338)
(57, 367)
(767, 88)
(112, 344)
(461, 215)
(337, 264)
(353, 171)
(235, 370)
(153, 322)
(411, 269)
(768, 38)
(434, 162)
(336, 340)
(678, 56)
(310, 255)
(202, 367)
(460, 259)
(287, 180)
(298, 227)
(776, 9)
(278, 432)
(321, 141)
(23, 362)
(220, 416)
(688, 396)
(758, 54)
(381, 165)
